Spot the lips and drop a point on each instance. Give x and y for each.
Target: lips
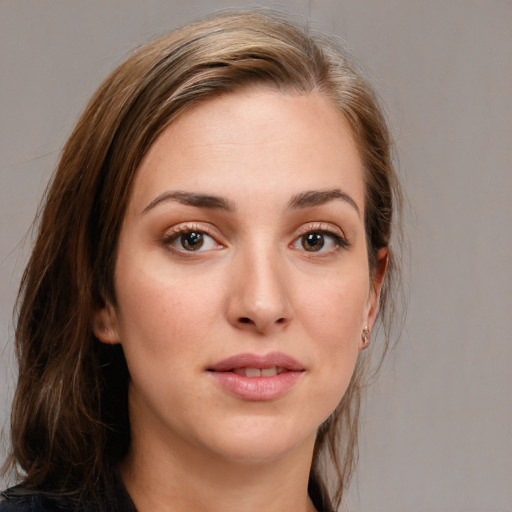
(257, 377)
(271, 360)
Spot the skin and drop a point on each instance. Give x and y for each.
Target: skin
(251, 287)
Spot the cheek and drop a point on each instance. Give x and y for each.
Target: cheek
(333, 317)
(334, 311)
(161, 314)
(163, 324)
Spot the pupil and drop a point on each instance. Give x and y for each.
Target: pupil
(313, 241)
(192, 241)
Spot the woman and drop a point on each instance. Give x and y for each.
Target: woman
(209, 265)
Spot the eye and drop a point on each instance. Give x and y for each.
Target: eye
(185, 239)
(313, 242)
(192, 241)
(320, 241)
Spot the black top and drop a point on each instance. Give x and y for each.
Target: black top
(19, 499)
(15, 500)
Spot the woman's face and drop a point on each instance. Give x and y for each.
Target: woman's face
(242, 280)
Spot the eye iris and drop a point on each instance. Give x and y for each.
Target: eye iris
(313, 241)
(192, 241)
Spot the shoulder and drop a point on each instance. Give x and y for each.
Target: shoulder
(18, 499)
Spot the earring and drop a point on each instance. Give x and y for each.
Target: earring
(365, 337)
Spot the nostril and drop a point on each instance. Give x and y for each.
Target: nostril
(261, 324)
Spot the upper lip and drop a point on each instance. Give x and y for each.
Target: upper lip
(249, 360)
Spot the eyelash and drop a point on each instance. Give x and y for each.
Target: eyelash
(321, 229)
(178, 231)
(325, 230)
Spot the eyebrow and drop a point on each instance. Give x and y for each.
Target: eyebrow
(319, 197)
(192, 199)
(302, 200)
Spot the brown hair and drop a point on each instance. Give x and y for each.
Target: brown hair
(70, 423)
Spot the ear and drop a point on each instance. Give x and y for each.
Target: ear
(376, 285)
(105, 325)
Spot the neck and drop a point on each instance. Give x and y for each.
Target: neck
(161, 479)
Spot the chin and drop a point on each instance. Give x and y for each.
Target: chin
(260, 442)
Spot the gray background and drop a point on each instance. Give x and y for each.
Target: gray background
(438, 424)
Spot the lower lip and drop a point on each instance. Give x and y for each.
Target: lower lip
(257, 389)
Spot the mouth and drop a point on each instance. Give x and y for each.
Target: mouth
(252, 373)
(254, 365)
(253, 377)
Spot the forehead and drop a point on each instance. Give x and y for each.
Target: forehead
(257, 140)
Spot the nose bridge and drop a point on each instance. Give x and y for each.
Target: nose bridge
(260, 296)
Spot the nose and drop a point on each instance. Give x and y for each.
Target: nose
(259, 298)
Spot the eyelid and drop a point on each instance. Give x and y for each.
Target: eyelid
(176, 231)
(324, 227)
